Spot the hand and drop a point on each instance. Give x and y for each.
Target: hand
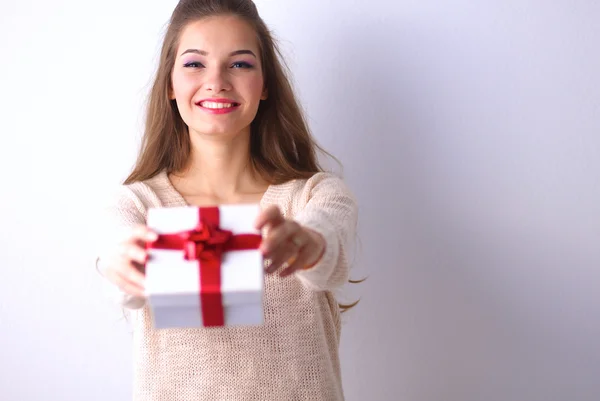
(125, 268)
(288, 243)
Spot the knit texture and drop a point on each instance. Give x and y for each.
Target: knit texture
(294, 354)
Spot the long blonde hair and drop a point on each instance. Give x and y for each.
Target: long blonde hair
(281, 145)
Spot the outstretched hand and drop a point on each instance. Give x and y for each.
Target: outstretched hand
(287, 244)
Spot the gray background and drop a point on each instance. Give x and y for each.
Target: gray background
(469, 131)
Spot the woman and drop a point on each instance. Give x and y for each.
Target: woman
(223, 127)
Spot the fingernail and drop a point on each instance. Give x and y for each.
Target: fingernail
(152, 236)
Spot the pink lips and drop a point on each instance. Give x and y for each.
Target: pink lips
(220, 110)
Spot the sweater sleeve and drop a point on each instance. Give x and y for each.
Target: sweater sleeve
(123, 213)
(331, 210)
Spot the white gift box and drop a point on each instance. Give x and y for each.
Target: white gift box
(173, 282)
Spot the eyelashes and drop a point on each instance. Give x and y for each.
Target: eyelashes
(236, 65)
(243, 64)
(193, 64)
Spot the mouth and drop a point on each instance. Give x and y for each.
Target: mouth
(217, 104)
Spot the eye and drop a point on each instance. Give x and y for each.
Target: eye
(241, 64)
(193, 64)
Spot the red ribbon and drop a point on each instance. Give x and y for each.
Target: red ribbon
(206, 244)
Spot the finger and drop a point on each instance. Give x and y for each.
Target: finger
(271, 216)
(284, 255)
(131, 288)
(120, 280)
(278, 236)
(298, 264)
(141, 267)
(130, 273)
(134, 252)
(142, 233)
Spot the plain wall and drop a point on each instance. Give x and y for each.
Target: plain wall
(469, 131)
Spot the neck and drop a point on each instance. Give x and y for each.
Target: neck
(220, 168)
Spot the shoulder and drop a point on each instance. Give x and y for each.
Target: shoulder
(138, 197)
(322, 188)
(321, 185)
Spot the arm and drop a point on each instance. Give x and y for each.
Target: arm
(125, 212)
(332, 212)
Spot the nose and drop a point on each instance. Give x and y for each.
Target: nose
(216, 81)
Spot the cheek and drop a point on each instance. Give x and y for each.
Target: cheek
(182, 85)
(255, 86)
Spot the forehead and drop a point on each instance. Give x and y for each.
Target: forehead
(218, 35)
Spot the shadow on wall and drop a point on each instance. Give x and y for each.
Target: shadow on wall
(427, 313)
(408, 308)
(453, 307)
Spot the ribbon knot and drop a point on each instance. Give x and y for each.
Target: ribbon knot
(205, 242)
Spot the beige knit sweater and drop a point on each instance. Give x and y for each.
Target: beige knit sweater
(294, 355)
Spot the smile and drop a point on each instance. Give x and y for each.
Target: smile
(217, 105)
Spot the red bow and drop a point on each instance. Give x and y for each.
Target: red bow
(205, 242)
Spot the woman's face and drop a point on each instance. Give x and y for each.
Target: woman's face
(217, 78)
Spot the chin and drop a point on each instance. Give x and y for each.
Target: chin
(217, 130)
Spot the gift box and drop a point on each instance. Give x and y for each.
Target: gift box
(205, 268)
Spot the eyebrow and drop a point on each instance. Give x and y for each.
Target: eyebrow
(205, 53)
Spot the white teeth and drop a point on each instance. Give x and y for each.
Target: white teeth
(214, 105)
